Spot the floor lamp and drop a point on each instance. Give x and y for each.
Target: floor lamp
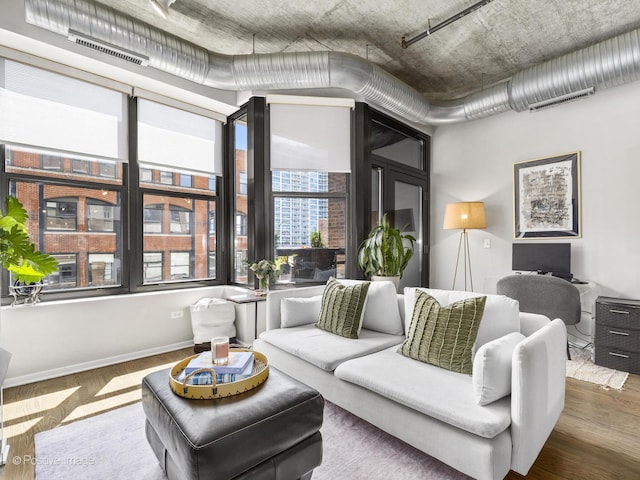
(465, 216)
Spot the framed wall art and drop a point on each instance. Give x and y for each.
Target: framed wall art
(546, 197)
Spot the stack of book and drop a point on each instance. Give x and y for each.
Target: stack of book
(239, 367)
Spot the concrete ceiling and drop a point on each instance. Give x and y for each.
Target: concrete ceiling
(480, 49)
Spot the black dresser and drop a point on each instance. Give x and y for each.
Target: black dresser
(617, 340)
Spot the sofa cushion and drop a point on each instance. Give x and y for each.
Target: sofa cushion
(343, 308)
(444, 336)
(492, 368)
(299, 311)
(501, 314)
(381, 312)
(326, 350)
(439, 393)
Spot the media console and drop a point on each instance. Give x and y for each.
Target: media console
(617, 339)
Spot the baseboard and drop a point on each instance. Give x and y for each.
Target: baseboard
(102, 362)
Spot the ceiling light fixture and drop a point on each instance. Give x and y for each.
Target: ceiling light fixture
(162, 6)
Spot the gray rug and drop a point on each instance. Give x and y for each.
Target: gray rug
(113, 446)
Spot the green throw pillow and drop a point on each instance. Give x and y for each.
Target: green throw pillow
(444, 336)
(342, 308)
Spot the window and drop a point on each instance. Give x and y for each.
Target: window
(107, 169)
(212, 223)
(180, 265)
(181, 150)
(185, 180)
(241, 204)
(80, 166)
(241, 224)
(146, 175)
(100, 217)
(102, 269)
(180, 221)
(74, 200)
(153, 218)
(298, 217)
(70, 225)
(184, 235)
(61, 214)
(166, 178)
(152, 267)
(67, 275)
(50, 162)
(212, 264)
(391, 144)
(242, 188)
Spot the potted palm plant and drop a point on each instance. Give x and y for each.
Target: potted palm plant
(386, 252)
(19, 256)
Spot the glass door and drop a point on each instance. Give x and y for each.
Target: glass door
(408, 211)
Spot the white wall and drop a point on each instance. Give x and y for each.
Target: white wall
(56, 338)
(474, 161)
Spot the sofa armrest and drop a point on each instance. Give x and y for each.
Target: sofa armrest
(275, 297)
(537, 391)
(532, 322)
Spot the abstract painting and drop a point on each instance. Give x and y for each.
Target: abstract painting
(546, 195)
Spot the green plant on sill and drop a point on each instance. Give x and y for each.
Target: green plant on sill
(17, 254)
(385, 251)
(316, 239)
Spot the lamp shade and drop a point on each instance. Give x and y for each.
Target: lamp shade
(464, 215)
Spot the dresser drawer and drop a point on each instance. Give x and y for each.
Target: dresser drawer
(616, 337)
(618, 316)
(617, 359)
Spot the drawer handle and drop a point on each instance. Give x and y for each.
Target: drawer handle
(618, 355)
(613, 332)
(622, 312)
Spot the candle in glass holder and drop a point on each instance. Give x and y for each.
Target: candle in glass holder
(220, 350)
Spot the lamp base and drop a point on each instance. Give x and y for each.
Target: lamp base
(463, 244)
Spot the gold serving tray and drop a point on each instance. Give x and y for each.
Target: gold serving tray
(221, 390)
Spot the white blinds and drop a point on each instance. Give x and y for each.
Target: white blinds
(311, 134)
(50, 110)
(179, 140)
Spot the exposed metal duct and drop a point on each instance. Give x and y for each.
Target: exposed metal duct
(612, 62)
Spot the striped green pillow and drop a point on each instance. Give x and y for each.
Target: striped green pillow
(342, 308)
(444, 336)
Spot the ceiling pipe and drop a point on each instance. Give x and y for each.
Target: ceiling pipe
(608, 63)
(454, 18)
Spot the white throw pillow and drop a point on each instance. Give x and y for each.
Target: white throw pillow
(501, 314)
(381, 312)
(299, 311)
(492, 368)
(212, 317)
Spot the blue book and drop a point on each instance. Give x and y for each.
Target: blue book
(238, 362)
(204, 378)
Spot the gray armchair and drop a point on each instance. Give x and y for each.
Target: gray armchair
(545, 295)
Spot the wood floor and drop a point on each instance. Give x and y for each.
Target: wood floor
(597, 437)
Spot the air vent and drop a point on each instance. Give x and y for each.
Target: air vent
(569, 97)
(109, 49)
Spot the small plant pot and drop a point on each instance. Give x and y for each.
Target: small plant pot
(379, 278)
(25, 294)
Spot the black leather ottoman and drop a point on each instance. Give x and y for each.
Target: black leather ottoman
(270, 432)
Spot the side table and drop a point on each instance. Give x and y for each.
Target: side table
(251, 300)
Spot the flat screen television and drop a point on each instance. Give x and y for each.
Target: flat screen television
(541, 257)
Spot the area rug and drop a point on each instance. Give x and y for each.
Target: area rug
(113, 445)
(582, 368)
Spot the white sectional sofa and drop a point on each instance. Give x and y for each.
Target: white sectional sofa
(433, 409)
